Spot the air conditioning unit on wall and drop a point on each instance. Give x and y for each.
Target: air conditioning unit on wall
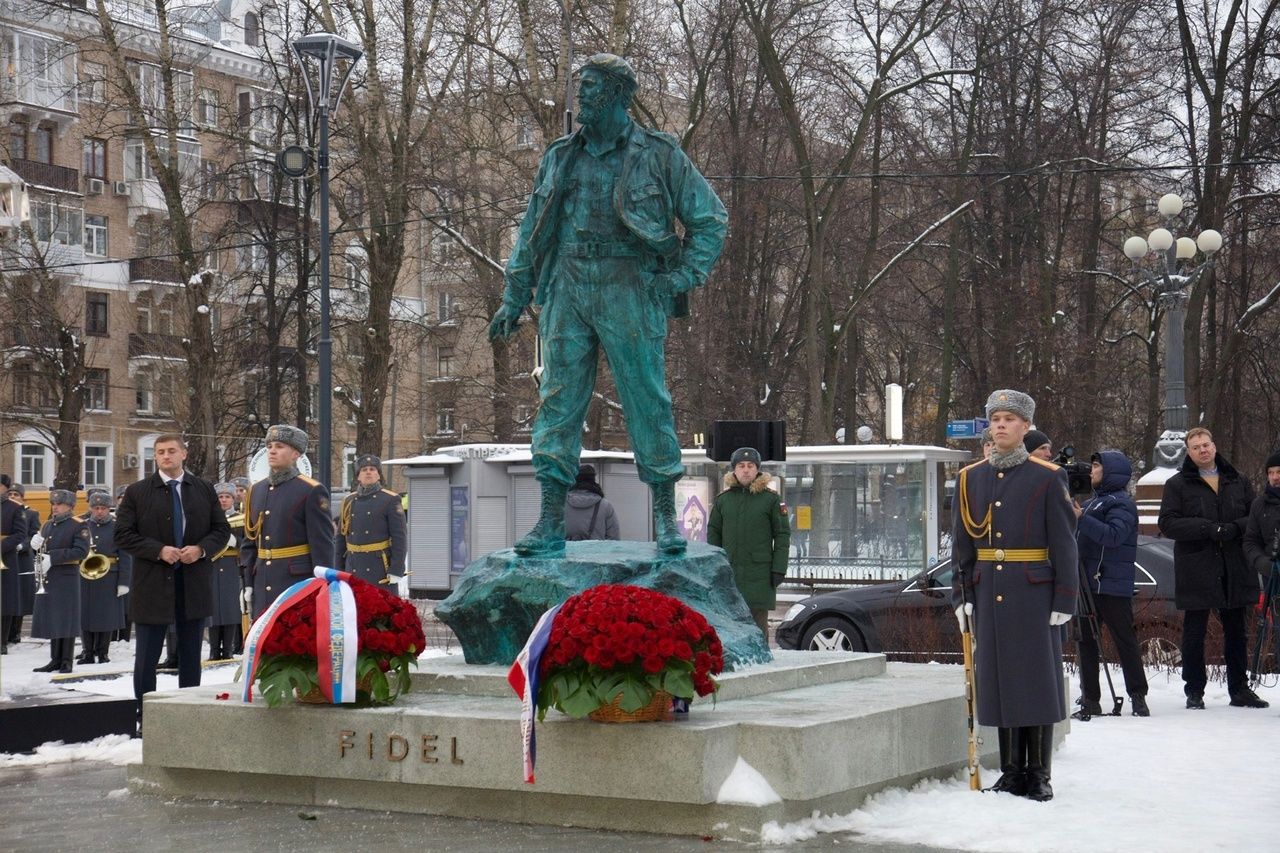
(129, 461)
(120, 187)
(93, 186)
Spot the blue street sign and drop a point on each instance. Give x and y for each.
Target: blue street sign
(971, 428)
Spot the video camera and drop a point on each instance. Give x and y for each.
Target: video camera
(1079, 474)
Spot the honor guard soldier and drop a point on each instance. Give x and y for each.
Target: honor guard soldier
(1016, 579)
(26, 563)
(60, 546)
(372, 536)
(224, 624)
(13, 530)
(287, 527)
(242, 489)
(101, 584)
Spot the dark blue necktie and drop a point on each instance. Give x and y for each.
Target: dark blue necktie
(175, 492)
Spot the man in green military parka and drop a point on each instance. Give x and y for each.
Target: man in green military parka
(749, 521)
(598, 250)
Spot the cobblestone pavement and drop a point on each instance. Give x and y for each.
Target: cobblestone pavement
(87, 807)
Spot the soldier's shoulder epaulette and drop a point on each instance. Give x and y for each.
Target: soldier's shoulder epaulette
(395, 495)
(1043, 463)
(310, 482)
(235, 519)
(973, 465)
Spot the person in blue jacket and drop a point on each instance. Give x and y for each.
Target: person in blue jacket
(1107, 538)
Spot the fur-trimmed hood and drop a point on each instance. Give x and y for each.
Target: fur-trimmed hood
(758, 485)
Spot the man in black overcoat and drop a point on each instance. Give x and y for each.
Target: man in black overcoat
(1205, 511)
(13, 535)
(172, 525)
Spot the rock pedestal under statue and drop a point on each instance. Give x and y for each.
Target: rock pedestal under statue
(501, 595)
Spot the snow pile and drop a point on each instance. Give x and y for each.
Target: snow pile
(746, 787)
(1177, 781)
(113, 749)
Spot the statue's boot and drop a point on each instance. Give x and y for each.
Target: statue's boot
(547, 536)
(664, 518)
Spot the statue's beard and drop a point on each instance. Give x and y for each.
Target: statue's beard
(591, 108)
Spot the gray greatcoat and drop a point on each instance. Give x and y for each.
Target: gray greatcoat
(57, 615)
(226, 577)
(13, 535)
(1018, 654)
(27, 565)
(290, 514)
(100, 608)
(370, 519)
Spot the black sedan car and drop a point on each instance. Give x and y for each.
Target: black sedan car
(913, 620)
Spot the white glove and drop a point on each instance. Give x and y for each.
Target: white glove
(122, 591)
(231, 542)
(246, 599)
(20, 547)
(963, 614)
(37, 541)
(1056, 618)
(45, 563)
(401, 583)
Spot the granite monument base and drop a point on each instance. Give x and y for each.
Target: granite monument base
(807, 732)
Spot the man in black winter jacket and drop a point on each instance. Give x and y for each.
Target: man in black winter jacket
(1264, 522)
(1204, 510)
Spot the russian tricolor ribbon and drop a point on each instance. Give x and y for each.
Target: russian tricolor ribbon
(337, 633)
(524, 678)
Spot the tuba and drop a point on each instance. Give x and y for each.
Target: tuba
(95, 566)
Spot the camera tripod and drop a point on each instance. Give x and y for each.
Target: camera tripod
(1268, 613)
(1089, 619)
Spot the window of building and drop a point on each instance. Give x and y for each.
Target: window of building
(444, 361)
(33, 463)
(250, 30)
(148, 459)
(524, 418)
(143, 399)
(43, 144)
(93, 82)
(207, 107)
(97, 471)
(97, 389)
(164, 318)
(142, 236)
(447, 307)
(444, 422)
(143, 315)
(524, 132)
(348, 467)
(95, 158)
(24, 385)
(137, 166)
(150, 84)
(18, 140)
(55, 222)
(95, 238)
(95, 314)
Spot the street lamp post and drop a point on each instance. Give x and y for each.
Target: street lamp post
(1171, 287)
(325, 49)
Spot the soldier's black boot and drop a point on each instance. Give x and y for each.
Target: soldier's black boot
(547, 536)
(1013, 764)
(1039, 761)
(664, 518)
(86, 648)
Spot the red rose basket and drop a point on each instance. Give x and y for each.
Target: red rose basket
(390, 639)
(613, 648)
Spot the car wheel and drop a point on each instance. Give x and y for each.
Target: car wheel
(832, 634)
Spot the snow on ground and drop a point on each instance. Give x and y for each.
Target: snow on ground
(1178, 780)
(112, 749)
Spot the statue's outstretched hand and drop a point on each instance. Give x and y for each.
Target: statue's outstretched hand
(504, 323)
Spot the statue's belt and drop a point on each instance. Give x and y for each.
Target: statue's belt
(1013, 555)
(603, 249)
(371, 548)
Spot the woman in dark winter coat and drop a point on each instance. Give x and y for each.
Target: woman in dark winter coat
(587, 512)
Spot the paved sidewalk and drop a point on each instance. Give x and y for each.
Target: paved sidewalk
(87, 807)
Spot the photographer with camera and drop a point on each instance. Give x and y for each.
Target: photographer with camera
(1107, 538)
(1264, 521)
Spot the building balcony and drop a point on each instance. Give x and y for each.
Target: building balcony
(144, 346)
(153, 271)
(146, 199)
(47, 176)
